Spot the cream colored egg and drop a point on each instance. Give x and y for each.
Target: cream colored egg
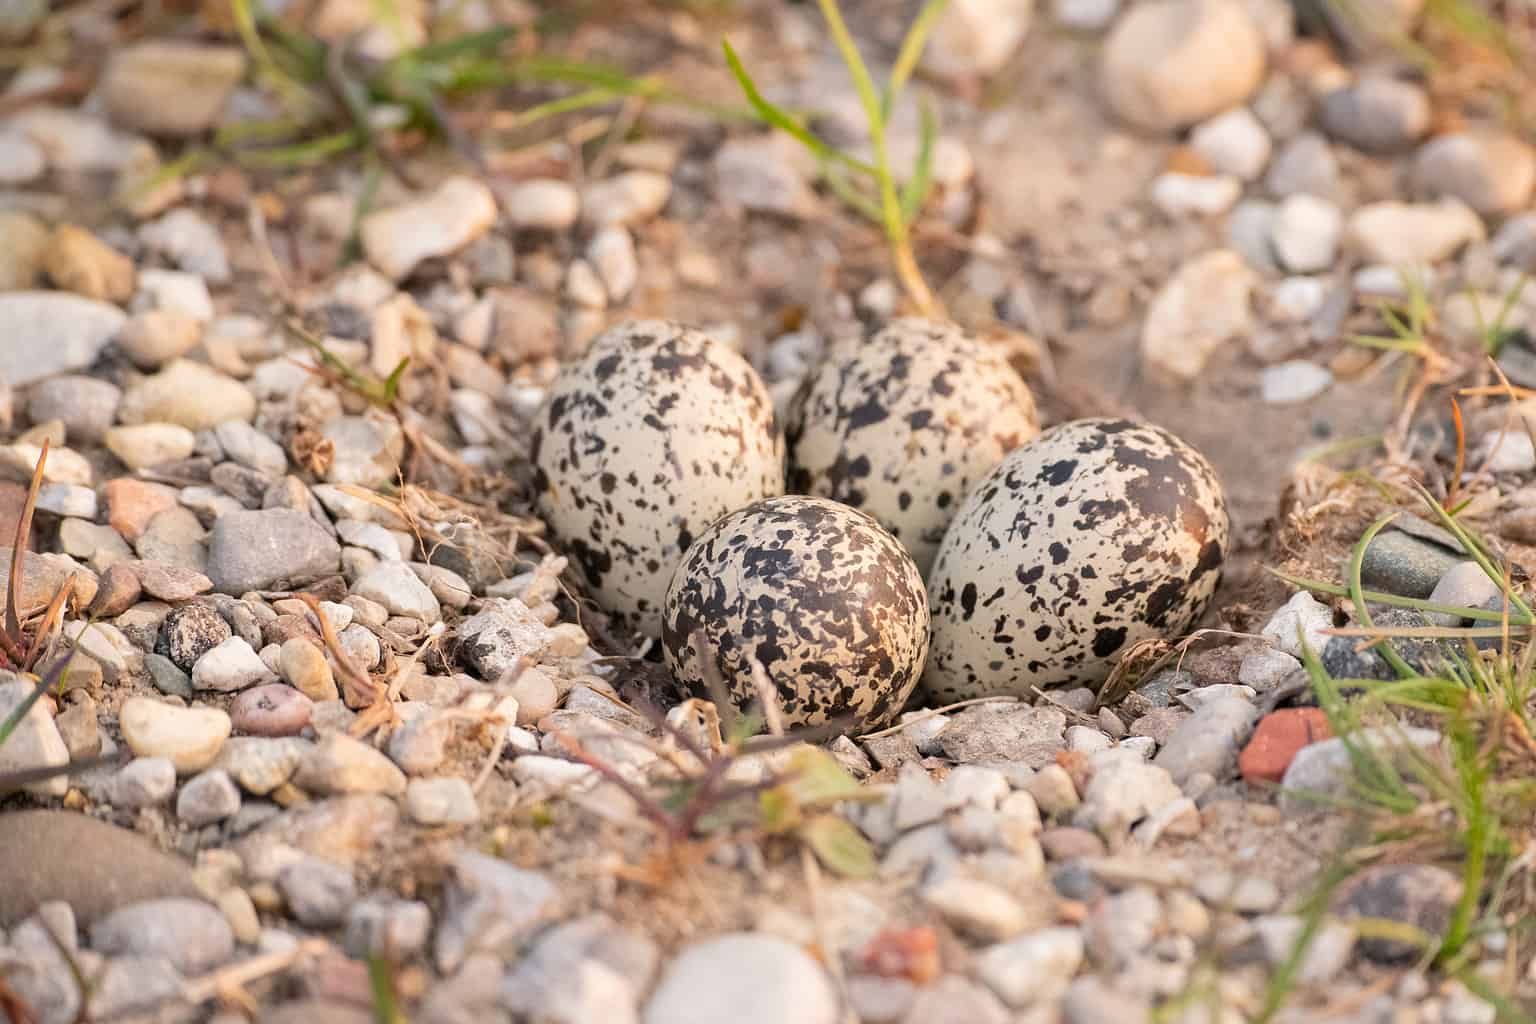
(903, 423)
(1096, 535)
(656, 432)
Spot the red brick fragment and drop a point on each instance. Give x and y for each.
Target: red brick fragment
(1277, 739)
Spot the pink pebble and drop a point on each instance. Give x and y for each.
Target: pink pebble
(272, 710)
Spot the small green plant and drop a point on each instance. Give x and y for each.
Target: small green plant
(703, 804)
(869, 187)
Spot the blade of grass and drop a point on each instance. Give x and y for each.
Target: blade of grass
(1381, 597)
(778, 118)
(916, 188)
(19, 549)
(911, 51)
(1473, 546)
(1357, 558)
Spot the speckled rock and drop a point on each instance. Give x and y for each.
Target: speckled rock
(189, 632)
(828, 602)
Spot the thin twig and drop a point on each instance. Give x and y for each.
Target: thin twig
(199, 990)
(923, 716)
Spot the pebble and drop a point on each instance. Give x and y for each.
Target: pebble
(175, 292)
(1325, 769)
(1376, 113)
(1032, 969)
(1267, 669)
(1250, 227)
(1200, 308)
(1515, 243)
(446, 801)
(1170, 63)
(53, 333)
(387, 927)
(366, 450)
(1053, 790)
(1305, 164)
(1209, 739)
(489, 905)
(79, 262)
(395, 586)
(189, 632)
(191, 934)
(305, 667)
(340, 764)
(990, 733)
(1243, 894)
(1493, 173)
(1420, 895)
(272, 710)
(1297, 299)
(78, 727)
(256, 550)
(495, 640)
(23, 240)
(1302, 618)
(445, 220)
(169, 583)
(1402, 564)
(1293, 381)
(208, 797)
(766, 174)
(169, 87)
(956, 1000)
(1179, 195)
(86, 406)
(1397, 233)
(612, 254)
(1233, 143)
(318, 894)
(155, 337)
(35, 742)
(1464, 585)
(189, 737)
(625, 199)
(1123, 790)
(1327, 952)
(1306, 233)
(976, 908)
(745, 978)
(544, 204)
(191, 242)
(188, 394)
(142, 782)
(21, 161)
(167, 678)
(251, 448)
(230, 666)
(259, 764)
(90, 865)
(976, 37)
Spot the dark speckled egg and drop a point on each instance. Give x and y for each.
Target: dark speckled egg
(655, 433)
(1095, 535)
(828, 601)
(903, 423)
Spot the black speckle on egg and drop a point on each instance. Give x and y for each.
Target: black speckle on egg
(828, 601)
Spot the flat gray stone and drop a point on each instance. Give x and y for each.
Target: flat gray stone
(48, 333)
(94, 867)
(255, 550)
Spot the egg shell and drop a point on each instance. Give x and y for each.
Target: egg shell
(828, 601)
(1097, 534)
(903, 423)
(656, 432)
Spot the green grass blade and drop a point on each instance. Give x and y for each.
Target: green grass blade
(916, 189)
(911, 51)
(1381, 597)
(302, 154)
(1356, 595)
(777, 117)
(1474, 547)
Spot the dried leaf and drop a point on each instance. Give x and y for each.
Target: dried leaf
(839, 846)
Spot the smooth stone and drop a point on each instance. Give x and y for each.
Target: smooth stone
(1034, 968)
(488, 906)
(1397, 233)
(1398, 563)
(142, 782)
(168, 87)
(976, 37)
(189, 737)
(1170, 63)
(1123, 790)
(1306, 233)
(766, 174)
(397, 587)
(170, 583)
(187, 394)
(339, 764)
(153, 338)
(1294, 381)
(1377, 114)
(1180, 195)
(35, 742)
(1301, 620)
(626, 199)
(191, 934)
(1324, 770)
(206, 798)
(85, 405)
(255, 550)
(1464, 585)
(23, 239)
(52, 333)
(1209, 740)
(1327, 952)
(79, 262)
(1201, 307)
(318, 893)
(94, 867)
(544, 204)
(1491, 172)
(1305, 164)
(230, 666)
(445, 801)
(366, 450)
(261, 764)
(457, 212)
(248, 446)
(175, 292)
(191, 242)
(745, 978)
(1233, 142)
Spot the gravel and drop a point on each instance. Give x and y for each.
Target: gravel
(747, 978)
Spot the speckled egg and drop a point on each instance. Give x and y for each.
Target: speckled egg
(1095, 535)
(655, 433)
(829, 602)
(902, 424)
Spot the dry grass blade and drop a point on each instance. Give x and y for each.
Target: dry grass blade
(13, 1006)
(51, 618)
(360, 690)
(23, 532)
